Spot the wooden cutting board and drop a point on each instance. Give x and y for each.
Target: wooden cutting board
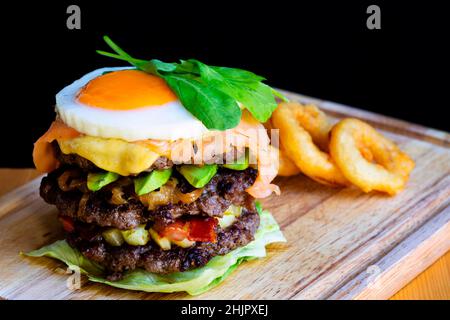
(342, 243)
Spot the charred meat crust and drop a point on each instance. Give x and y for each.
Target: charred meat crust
(227, 187)
(116, 260)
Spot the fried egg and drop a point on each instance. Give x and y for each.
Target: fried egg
(127, 104)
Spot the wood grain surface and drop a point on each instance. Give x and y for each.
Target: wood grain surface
(10, 179)
(342, 244)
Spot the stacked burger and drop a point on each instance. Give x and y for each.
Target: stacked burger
(147, 187)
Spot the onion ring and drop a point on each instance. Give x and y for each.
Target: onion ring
(315, 122)
(355, 146)
(286, 167)
(117, 196)
(299, 145)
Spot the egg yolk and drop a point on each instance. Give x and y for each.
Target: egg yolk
(126, 90)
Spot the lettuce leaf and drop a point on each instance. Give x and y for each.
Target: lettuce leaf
(73, 258)
(194, 282)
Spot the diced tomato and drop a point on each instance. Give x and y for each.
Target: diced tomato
(195, 229)
(67, 224)
(201, 229)
(43, 153)
(176, 231)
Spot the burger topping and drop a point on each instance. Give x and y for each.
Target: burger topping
(96, 181)
(230, 216)
(202, 229)
(241, 164)
(198, 176)
(67, 224)
(116, 205)
(43, 152)
(113, 155)
(151, 181)
(165, 195)
(180, 233)
(136, 237)
(151, 256)
(131, 158)
(113, 236)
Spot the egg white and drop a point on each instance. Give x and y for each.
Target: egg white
(170, 121)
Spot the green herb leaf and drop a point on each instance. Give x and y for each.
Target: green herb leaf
(121, 54)
(164, 66)
(131, 61)
(259, 101)
(238, 75)
(279, 95)
(214, 108)
(256, 96)
(187, 67)
(115, 47)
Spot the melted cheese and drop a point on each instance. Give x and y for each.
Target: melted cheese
(112, 155)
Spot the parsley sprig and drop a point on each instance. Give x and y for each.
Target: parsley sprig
(210, 93)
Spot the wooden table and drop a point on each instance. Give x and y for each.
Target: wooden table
(433, 283)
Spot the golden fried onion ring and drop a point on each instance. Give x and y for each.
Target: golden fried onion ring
(293, 119)
(355, 144)
(315, 122)
(286, 167)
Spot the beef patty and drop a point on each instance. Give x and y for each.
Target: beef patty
(225, 188)
(116, 260)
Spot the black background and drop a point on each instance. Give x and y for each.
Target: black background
(318, 48)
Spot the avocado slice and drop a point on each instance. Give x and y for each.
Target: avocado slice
(151, 181)
(240, 164)
(198, 176)
(96, 181)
